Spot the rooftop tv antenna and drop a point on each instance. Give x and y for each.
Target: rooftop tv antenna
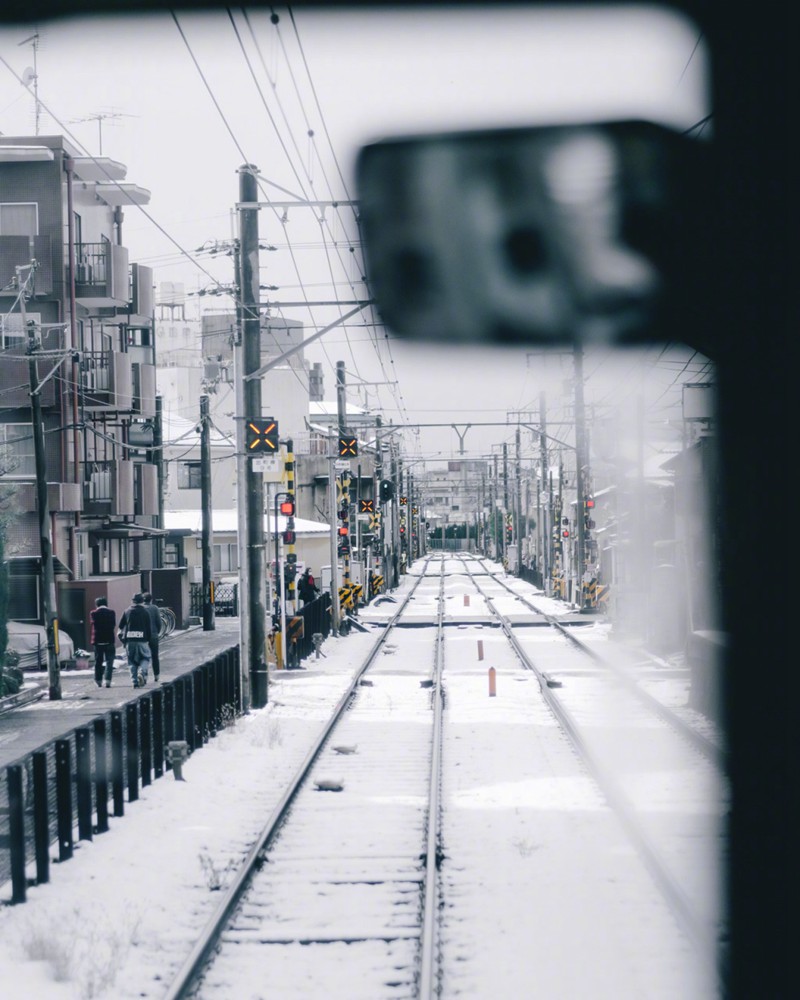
(100, 117)
(31, 76)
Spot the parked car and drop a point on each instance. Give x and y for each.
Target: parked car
(29, 641)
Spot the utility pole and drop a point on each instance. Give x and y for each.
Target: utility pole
(505, 499)
(205, 493)
(518, 514)
(580, 467)
(341, 408)
(545, 530)
(251, 485)
(49, 603)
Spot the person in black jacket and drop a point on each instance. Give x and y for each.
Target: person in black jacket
(134, 633)
(155, 629)
(104, 622)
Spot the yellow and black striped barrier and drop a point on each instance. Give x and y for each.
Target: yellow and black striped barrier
(376, 584)
(603, 595)
(346, 598)
(295, 628)
(559, 587)
(589, 591)
(358, 590)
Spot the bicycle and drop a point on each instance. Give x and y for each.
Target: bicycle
(168, 622)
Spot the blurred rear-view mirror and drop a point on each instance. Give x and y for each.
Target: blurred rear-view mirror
(573, 233)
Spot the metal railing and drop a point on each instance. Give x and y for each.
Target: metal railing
(77, 781)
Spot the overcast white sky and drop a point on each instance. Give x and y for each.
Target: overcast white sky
(348, 77)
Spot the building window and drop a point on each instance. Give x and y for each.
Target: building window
(12, 332)
(189, 475)
(225, 558)
(17, 456)
(19, 218)
(172, 553)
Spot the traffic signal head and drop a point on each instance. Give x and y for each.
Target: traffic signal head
(261, 435)
(403, 501)
(386, 489)
(289, 537)
(344, 531)
(286, 507)
(348, 447)
(366, 506)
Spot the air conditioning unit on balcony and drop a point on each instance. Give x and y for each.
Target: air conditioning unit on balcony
(83, 273)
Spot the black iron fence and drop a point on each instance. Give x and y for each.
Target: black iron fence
(316, 620)
(226, 600)
(78, 781)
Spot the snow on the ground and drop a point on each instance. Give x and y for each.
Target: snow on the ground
(118, 919)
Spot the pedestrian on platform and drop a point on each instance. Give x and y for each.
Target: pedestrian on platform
(155, 630)
(307, 587)
(134, 633)
(103, 626)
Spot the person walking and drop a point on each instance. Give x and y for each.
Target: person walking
(155, 630)
(103, 625)
(134, 633)
(307, 587)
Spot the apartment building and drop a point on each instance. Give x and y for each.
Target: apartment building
(69, 292)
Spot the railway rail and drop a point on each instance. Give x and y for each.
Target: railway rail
(366, 862)
(603, 747)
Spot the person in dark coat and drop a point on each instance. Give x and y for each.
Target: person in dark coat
(155, 629)
(134, 633)
(307, 588)
(103, 624)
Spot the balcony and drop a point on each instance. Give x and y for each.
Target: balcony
(107, 381)
(108, 489)
(101, 275)
(62, 498)
(142, 300)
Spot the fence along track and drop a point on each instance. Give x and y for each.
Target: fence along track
(190, 974)
(699, 934)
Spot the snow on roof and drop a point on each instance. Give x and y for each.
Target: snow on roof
(226, 521)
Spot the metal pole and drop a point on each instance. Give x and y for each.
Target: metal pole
(49, 605)
(334, 547)
(205, 493)
(580, 462)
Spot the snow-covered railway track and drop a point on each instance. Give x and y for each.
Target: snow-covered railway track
(663, 781)
(344, 864)
(622, 665)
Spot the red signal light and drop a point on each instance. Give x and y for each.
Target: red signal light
(287, 508)
(343, 531)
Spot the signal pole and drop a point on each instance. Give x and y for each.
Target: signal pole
(205, 492)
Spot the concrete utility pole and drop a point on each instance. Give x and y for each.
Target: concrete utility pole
(580, 467)
(251, 487)
(545, 528)
(205, 493)
(49, 603)
(341, 409)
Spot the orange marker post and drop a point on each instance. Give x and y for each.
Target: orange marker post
(492, 682)
(480, 649)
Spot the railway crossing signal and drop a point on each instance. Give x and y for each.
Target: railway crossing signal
(261, 435)
(366, 506)
(286, 508)
(348, 447)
